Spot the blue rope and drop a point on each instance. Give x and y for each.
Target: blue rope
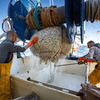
(35, 17)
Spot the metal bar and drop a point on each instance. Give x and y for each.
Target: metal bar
(52, 86)
(65, 64)
(86, 76)
(32, 2)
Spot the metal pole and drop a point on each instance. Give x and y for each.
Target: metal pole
(65, 64)
(86, 74)
(61, 14)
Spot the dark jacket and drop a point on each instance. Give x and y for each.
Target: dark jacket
(7, 48)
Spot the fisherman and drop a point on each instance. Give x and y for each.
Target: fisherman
(7, 48)
(94, 52)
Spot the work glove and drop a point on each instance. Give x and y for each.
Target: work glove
(87, 60)
(34, 40)
(81, 58)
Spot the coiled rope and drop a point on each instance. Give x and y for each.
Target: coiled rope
(49, 17)
(93, 10)
(39, 18)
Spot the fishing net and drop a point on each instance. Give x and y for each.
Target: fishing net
(93, 10)
(52, 44)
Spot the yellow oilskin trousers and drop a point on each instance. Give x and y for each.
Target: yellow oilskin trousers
(5, 89)
(94, 77)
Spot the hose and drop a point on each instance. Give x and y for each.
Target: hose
(35, 17)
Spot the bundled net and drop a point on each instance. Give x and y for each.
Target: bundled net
(52, 44)
(93, 10)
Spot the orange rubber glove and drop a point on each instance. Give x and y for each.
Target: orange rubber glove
(34, 40)
(81, 58)
(87, 60)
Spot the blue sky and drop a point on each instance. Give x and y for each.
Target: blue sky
(92, 32)
(91, 29)
(3, 12)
